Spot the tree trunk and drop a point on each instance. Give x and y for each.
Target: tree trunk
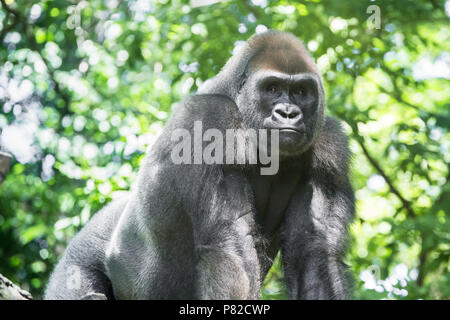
(5, 161)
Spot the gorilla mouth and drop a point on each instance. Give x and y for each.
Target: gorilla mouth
(300, 129)
(295, 130)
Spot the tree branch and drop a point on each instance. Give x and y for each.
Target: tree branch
(9, 291)
(251, 9)
(423, 255)
(9, 9)
(20, 19)
(394, 190)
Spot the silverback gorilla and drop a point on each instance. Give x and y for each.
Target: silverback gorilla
(211, 231)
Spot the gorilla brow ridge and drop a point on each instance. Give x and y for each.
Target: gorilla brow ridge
(262, 43)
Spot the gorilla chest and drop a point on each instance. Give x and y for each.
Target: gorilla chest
(272, 196)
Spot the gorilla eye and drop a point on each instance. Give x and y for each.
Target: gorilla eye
(301, 91)
(273, 88)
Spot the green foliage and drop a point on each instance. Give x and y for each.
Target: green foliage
(89, 84)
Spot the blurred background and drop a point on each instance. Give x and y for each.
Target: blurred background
(86, 86)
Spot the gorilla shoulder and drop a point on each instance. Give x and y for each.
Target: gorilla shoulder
(214, 110)
(331, 154)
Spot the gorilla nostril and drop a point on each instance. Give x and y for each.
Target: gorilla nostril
(281, 113)
(293, 114)
(286, 113)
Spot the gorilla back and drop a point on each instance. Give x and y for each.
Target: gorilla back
(211, 230)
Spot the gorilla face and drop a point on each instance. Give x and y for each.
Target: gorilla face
(276, 85)
(289, 102)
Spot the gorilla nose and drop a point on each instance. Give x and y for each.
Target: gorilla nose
(287, 113)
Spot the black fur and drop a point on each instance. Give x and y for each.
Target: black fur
(196, 231)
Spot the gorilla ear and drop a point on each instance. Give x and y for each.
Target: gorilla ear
(242, 82)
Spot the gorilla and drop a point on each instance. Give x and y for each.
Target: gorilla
(211, 231)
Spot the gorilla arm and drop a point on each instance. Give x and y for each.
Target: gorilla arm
(228, 265)
(314, 236)
(221, 212)
(186, 232)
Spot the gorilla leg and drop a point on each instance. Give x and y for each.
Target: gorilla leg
(78, 283)
(80, 274)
